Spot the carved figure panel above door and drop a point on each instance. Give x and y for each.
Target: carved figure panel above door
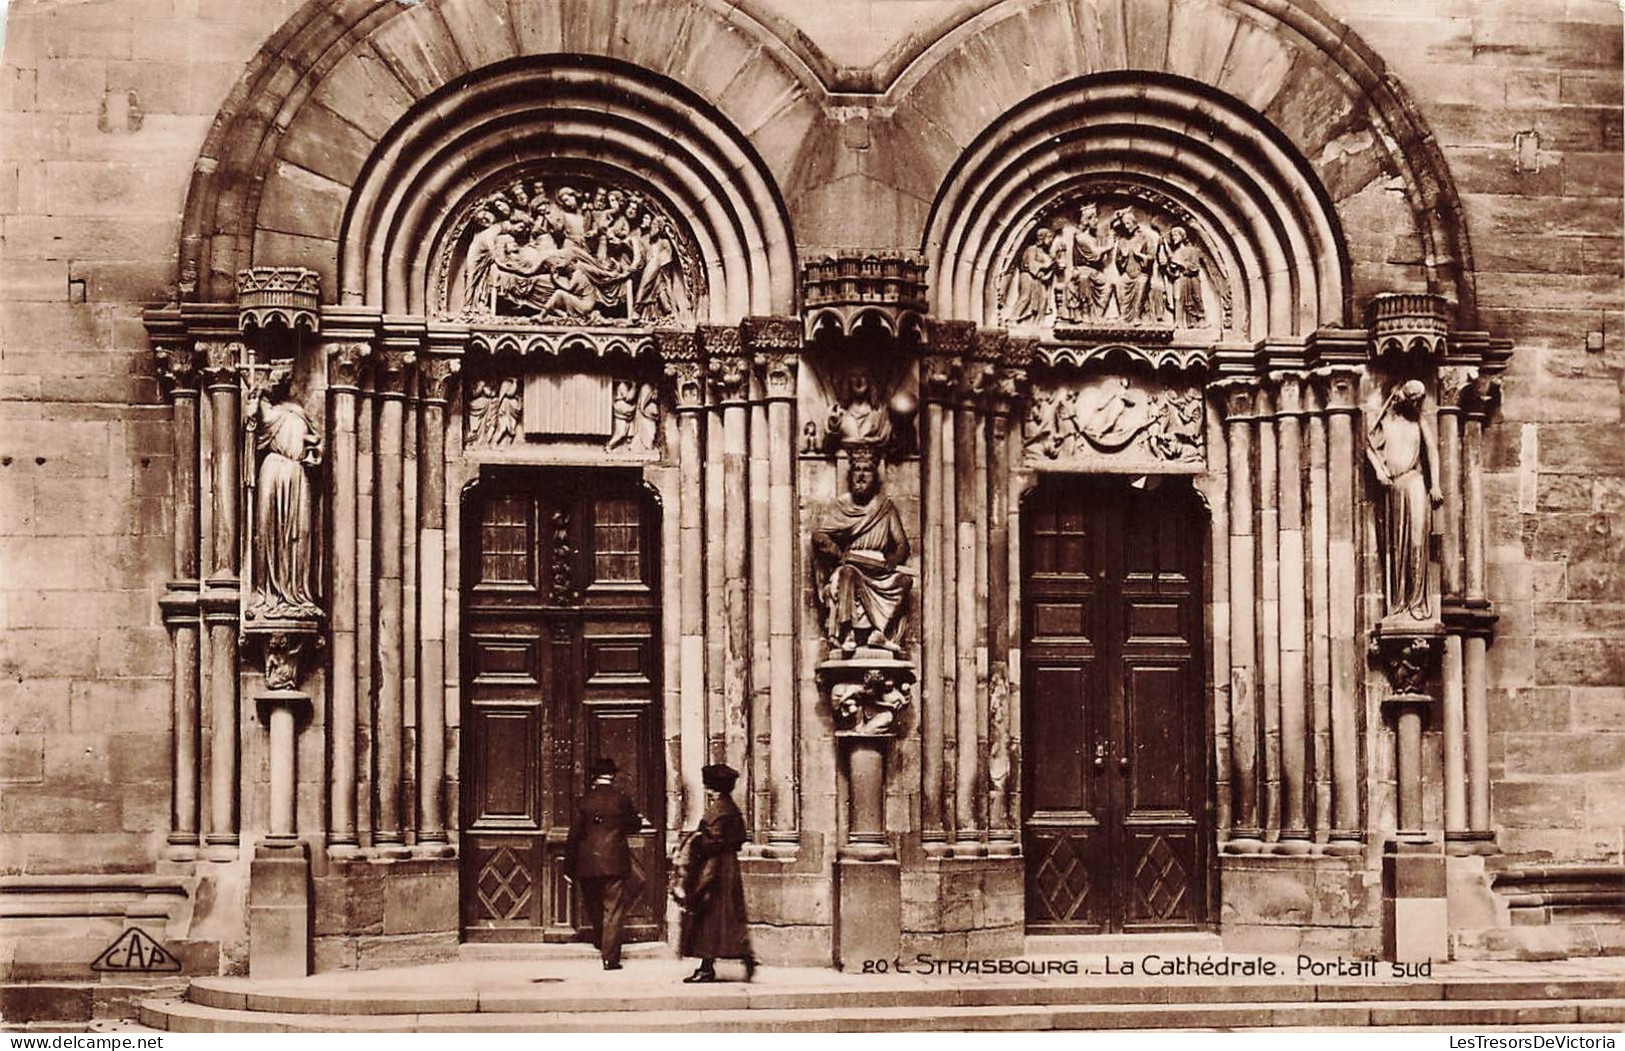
(1114, 257)
(569, 248)
(1115, 422)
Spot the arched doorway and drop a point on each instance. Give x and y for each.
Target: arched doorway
(561, 665)
(1116, 827)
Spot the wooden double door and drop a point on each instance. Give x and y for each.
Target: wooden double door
(561, 657)
(1116, 822)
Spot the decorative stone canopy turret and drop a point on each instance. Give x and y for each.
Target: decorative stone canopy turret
(1408, 324)
(289, 296)
(841, 292)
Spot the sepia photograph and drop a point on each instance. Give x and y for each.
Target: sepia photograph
(803, 516)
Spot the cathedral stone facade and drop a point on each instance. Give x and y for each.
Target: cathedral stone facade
(1093, 467)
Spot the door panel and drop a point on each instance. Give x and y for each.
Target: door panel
(561, 665)
(1113, 728)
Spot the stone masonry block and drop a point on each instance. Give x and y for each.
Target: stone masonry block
(1570, 753)
(1537, 804)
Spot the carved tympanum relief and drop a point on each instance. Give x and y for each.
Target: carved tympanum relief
(1114, 257)
(570, 250)
(621, 411)
(1114, 421)
(1404, 457)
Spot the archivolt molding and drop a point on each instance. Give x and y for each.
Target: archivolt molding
(1206, 151)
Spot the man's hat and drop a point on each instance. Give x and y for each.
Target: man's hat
(603, 768)
(719, 777)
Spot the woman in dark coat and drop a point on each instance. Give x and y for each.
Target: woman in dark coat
(714, 901)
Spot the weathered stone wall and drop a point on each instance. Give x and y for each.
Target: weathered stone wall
(1524, 100)
(106, 106)
(104, 110)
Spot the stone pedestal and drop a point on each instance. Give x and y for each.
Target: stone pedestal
(866, 800)
(1415, 905)
(869, 923)
(279, 912)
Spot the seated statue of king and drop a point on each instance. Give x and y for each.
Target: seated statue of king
(859, 546)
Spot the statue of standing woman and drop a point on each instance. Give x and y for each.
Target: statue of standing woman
(289, 447)
(1404, 456)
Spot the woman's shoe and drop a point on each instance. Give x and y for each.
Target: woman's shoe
(702, 975)
(750, 968)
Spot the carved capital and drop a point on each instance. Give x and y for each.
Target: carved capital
(435, 378)
(778, 370)
(283, 653)
(393, 371)
(1239, 397)
(1289, 393)
(345, 363)
(940, 376)
(1454, 381)
(1339, 387)
(1482, 397)
(729, 375)
(219, 359)
(178, 373)
(687, 379)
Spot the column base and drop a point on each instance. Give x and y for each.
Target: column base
(869, 925)
(1002, 843)
(782, 846)
(279, 911)
(1245, 841)
(969, 847)
(1415, 905)
(432, 849)
(935, 845)
(1345, 845)
(1469, 843)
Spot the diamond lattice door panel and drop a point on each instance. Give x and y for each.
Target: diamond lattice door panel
(560, 644)
(1114, 789)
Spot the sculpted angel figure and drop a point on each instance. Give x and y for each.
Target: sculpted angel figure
(283, 536)
(858, 546)
(1404, 456)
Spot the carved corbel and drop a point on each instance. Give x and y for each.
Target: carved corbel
(1408, 660)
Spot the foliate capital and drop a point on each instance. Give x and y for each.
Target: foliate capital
(1339, 387)
(178, 372)
(1239, 397)
(435, 378)
(345, 363)
(394, 370)
(768, 334)
(219, 359)
(1482, 397)
(1454, 384)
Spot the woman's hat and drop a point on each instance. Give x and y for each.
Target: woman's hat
(603, 768)
(719, 777)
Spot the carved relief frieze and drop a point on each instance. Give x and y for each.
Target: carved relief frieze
(617, 410)
(571, 249)
(1116, 422)
(1115, 257)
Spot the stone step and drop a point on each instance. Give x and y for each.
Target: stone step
(180, 1016)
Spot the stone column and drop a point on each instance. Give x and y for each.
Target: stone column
(1340, 394)
(1293, 592)
(777, 347)
(686, 374)
(1240, 404)
(434, 380)
(1320, 648)
(1002, 841)
(968, 765)
(761, 633)
(1483, 398)
(393, 376)
(1268, 582)
(366, 649)
(1452, 708)
(730, 378)
(345, 360)
(177, 364)
(937, 657)
(220, 594)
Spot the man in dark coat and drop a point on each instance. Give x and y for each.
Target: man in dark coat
(714, 907)
(598, 858)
